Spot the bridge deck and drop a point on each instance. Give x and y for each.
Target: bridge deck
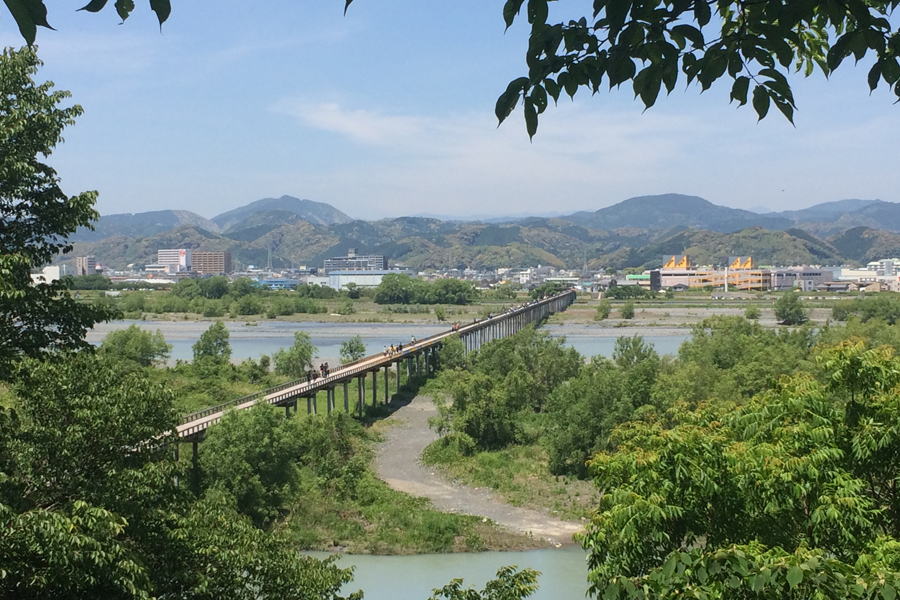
(195, 424)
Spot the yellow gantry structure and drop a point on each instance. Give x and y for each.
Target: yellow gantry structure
(739, 275)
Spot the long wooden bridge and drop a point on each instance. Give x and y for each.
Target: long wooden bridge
(418, 357)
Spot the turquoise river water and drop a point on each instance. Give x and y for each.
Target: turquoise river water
(267, 337)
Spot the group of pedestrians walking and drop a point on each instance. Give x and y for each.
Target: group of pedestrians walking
(313, 374)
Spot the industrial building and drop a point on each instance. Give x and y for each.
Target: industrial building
(356, 262)
(740, 274)
(206, 262)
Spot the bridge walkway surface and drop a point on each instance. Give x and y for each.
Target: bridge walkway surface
(418, 355)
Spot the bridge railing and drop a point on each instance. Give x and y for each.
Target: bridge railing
(339, 375)
(345, 371)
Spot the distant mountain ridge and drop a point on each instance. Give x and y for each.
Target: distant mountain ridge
(665, 211)
(633, 233)
(141, 224)
(317, 213)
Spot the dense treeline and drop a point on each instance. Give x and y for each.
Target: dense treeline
(884, 307)
(219, 297)
(754, 464)
(403, 289)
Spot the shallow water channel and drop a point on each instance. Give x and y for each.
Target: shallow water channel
(563, 572)
(267, 337)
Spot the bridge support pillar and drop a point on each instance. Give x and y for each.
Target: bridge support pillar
(374, 387)
(387, 382)
(195, 466)
(315, 403)
(361, 391)
(346, 400)
(330, 400)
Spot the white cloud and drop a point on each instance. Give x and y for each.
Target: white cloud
(463, 163)
(363, 126)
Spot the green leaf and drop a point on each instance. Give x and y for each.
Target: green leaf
(702, 12)
(552, 88)
(531, 118)
(760, 101)
(794, 576)
(616, 13)
(507, 101)
(162, 8)
(890, 69)
(874, 76)
(691, 33)
(888, 592)
(94, 5)
(539, 97)
(537, 12)
(739, 89)
(23, 19)
(124, 8)
(510, 10)
(38, 12)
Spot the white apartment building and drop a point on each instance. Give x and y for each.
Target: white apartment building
(176, 260)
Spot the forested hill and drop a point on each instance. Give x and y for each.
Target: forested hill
(428, 243)
(637, 233)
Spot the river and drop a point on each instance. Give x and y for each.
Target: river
(563, 572)
(267, 337)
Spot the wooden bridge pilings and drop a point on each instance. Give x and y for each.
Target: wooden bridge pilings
(418, 358)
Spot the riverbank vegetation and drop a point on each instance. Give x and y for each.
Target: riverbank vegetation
(756, 463)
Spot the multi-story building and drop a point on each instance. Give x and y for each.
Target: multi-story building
(356, 262)
(886, 267)
(210, 262)
(85, 265)
(176, 260)
(806, 279)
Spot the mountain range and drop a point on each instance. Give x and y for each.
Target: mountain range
(633, 233)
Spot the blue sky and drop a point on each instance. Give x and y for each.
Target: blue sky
(389, 111)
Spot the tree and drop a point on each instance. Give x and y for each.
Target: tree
(353, 291)
(654, 44)
(296, 360)
(137, 345)
(396, 288)
(36, 217)
(250, 455)
(627, 310)
(352, 349)
(213, 348)
(603, 309)
(509, 584)
(787, 496)
(90, 509)
(752, 312)
(214, 287)
(550, 288)
(789, 310)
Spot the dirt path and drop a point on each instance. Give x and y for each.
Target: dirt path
(398, 463)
